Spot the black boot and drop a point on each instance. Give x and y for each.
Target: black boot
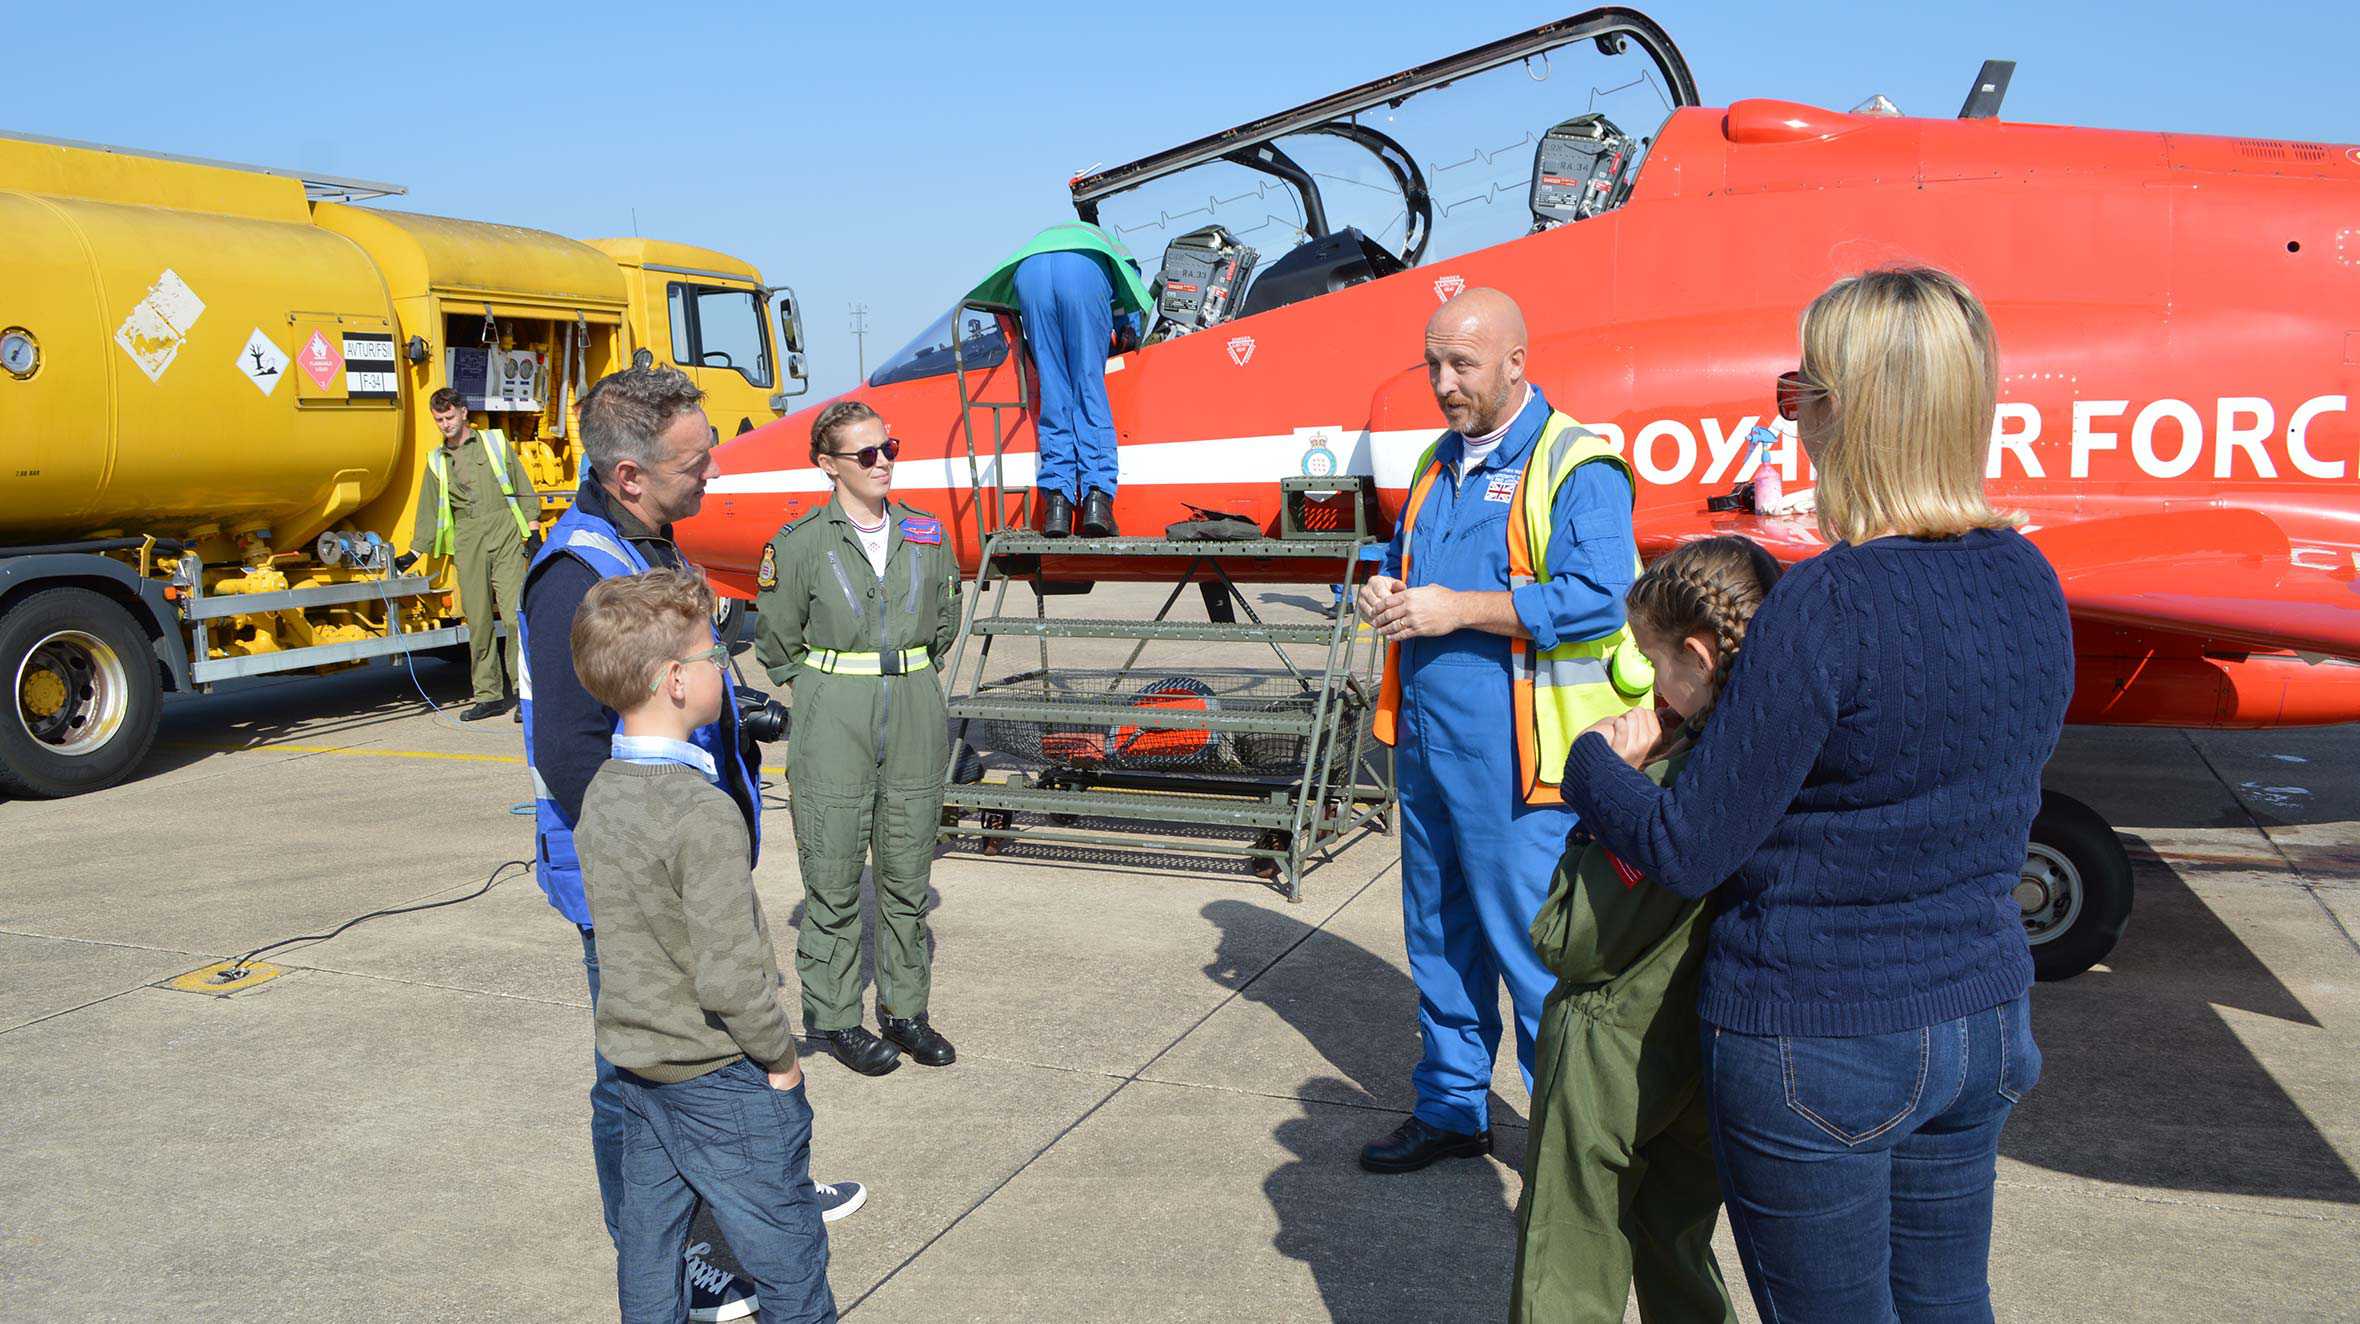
(865, 1053)
(1414, 1144)
(1054, 511)
(488, 708)
(1098, 515)
(920, 1040)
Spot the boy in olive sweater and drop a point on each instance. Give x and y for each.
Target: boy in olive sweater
(691, 1006)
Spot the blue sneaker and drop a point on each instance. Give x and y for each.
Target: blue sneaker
(839, 1199)
(714, 1293)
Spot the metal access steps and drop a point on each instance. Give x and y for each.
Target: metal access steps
(1159, 806)
(1101, 715)
(1084, 627)
(1019, 543)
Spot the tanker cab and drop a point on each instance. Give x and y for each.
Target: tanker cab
(721, 334)
(709, 315)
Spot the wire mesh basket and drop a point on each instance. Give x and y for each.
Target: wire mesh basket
(1090, 743)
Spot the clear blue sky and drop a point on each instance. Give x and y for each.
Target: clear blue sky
(889, 152)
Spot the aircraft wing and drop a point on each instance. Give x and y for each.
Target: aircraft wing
(2220, 574)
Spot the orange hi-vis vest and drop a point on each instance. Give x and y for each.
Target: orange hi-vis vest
(1565, 689)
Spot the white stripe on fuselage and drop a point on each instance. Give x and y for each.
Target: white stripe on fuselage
(1387, 456)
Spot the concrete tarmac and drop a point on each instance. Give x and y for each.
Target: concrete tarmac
(1164, 1076)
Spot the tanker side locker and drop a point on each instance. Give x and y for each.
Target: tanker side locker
(199, 610)
(1268, 763)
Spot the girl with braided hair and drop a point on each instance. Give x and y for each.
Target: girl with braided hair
(1619, 1181)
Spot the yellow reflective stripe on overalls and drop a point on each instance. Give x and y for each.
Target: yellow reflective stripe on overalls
(1561, 691)
(1385, 723)
(495, 444)
(839, 662)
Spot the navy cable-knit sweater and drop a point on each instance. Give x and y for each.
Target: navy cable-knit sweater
(1864, 790)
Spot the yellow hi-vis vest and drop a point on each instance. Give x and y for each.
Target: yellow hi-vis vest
(1565, 689)
(495, 444)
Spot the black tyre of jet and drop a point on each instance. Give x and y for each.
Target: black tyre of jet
(83, 694)
(2075, 890)
(729, 619)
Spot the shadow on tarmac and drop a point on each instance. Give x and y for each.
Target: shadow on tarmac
(305, 710)
(1438, 1244)
(2146, 1082)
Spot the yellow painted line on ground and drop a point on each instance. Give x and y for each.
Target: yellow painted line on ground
(363, 751)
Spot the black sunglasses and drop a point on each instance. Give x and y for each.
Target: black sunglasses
(866, 456)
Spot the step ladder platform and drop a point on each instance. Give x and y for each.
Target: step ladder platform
(1083, 627)
(1308, 549)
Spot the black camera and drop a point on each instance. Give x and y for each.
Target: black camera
(761, 720)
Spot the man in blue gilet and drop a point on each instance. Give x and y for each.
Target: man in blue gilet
(647, 453)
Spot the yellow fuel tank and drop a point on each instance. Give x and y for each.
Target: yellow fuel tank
(185, 347)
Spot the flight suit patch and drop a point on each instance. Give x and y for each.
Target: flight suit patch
(766, 576)
(1502, 488)
(922, 530)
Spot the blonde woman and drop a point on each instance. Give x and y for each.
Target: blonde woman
(1860, 804)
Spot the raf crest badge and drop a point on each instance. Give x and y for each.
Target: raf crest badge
(766, 576)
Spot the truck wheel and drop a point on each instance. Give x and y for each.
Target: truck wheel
(2075, 890)
(83, 694)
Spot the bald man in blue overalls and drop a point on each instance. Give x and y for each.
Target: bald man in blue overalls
(1476, 852)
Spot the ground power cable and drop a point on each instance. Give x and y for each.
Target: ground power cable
(232, 971)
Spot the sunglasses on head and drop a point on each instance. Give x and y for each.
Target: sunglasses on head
(1793, 389)
(866, 456)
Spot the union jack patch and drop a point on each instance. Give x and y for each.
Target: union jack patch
(766, 575)
(922, 530)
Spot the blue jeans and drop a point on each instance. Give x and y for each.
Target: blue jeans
(730, 1142)
(606, 1112)
(1859, 1170)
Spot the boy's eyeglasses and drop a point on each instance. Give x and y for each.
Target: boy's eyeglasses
(1793, 389)
(866, 456)
(718, 655)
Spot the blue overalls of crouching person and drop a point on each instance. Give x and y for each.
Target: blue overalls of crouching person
(1070, 284)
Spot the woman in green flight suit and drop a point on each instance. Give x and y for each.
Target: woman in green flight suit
(859, 600)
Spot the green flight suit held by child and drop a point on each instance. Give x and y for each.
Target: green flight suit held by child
(1619, 1175)
(1620, 1187)
(854, 618)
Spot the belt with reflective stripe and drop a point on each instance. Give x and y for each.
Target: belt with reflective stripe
(837, 663)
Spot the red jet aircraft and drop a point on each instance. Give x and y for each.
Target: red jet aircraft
(2178, 320)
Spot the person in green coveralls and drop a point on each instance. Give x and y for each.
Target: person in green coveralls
(477, 503)
(1070, 285)
(859, 600)
(1619, 1179)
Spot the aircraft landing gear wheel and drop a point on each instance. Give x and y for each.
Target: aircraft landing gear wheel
(729, 618)
(994, 820)
(2075, 890)
(83, 694)
(1265, 868)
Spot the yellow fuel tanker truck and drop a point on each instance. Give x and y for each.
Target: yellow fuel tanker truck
(213, 385)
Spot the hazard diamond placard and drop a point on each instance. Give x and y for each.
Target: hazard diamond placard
(319, 360)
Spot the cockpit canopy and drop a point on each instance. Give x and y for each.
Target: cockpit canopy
(1544, 128)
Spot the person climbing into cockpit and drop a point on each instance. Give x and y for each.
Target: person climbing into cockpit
(1071, 285)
